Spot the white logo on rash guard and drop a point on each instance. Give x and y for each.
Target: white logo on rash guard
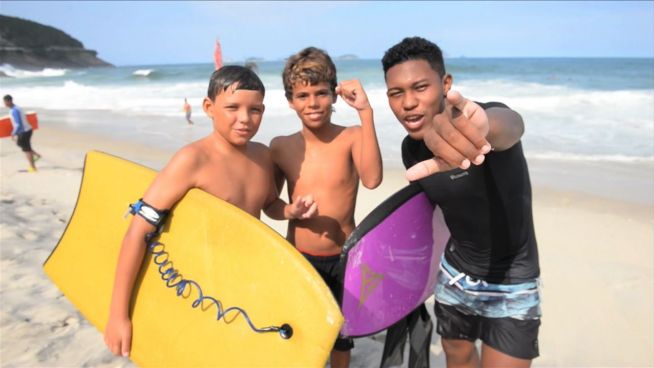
(458, 176)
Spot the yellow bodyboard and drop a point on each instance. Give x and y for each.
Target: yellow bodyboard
(231, 255)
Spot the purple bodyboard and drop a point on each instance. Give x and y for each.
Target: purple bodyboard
(391, 261)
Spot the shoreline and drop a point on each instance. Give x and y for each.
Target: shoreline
(624, 181)
(595, 245)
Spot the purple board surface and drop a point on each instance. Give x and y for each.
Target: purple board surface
(391, 262)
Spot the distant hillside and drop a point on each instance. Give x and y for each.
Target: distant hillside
(29, 45)
(347, 57)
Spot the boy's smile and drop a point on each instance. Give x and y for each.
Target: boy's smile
(312, 103)
(416, 94)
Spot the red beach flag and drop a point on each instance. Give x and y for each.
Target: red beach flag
(218, 56)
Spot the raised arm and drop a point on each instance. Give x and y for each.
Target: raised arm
(167, 188)
(497, 128)
(365, 148)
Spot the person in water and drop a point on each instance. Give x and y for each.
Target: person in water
(187, 112)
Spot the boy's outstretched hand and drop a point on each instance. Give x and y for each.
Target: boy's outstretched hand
(303, 207)
(351, 91)
(457, 138)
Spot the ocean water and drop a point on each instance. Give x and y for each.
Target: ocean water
(596, 109)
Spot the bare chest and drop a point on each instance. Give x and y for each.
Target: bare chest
(245, 185)
(325, 169)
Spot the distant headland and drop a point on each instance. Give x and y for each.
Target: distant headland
(29, 45)
(347, 57)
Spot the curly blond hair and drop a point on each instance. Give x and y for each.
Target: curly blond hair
(309, 66)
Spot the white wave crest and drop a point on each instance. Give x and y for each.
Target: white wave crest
(19, 73)
(143, 72)
(559, 156)
(575, 124)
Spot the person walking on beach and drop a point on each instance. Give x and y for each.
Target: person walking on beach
(322, 165)
(488, 283)
(187, 111)
(22, 132)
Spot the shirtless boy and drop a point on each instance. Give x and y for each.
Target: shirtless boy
(322, 165)
(234, 103)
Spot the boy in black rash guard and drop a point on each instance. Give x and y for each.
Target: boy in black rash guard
(488, 286)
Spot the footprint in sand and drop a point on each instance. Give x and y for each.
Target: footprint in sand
(28, 235)
(63, 327)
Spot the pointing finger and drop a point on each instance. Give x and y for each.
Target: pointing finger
(471, 121)
(457, 100)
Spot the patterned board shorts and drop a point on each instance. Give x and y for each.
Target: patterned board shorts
(477, 297)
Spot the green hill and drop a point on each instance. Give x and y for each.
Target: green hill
(29, 45)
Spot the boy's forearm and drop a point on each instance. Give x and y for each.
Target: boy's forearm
(505, 128)
(127, 268)
(370, 162)
(278, 210)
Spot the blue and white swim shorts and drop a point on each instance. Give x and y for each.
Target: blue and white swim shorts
(506, 317)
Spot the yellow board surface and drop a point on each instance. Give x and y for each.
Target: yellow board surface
(234, 257)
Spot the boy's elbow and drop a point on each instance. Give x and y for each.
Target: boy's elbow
(519, 126)
(518, 131)
(374, 182)
(272, 214)
(507, 131)
(269, 211)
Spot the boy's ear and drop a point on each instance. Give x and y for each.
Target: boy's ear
(207, 106)
(447, 83)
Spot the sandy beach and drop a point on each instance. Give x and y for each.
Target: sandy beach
(594, 224)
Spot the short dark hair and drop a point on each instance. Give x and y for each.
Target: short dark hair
(309, 66)
(228, 75)
(8, 98)
(415, 48)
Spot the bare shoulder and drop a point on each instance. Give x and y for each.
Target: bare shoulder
(189, 156)
(348, 135)
(176, 178)
(259, 152)
(352, 131)
(258, 148)
(281, 144)
(284, 139)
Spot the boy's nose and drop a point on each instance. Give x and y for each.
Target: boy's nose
(313, 101)
(409, 101)
(244, 116)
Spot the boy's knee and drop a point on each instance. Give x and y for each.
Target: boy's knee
(459, 352)
(339, 359)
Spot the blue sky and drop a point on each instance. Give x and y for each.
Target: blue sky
(139, 33)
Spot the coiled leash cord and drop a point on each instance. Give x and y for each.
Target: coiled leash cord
(174, 279)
